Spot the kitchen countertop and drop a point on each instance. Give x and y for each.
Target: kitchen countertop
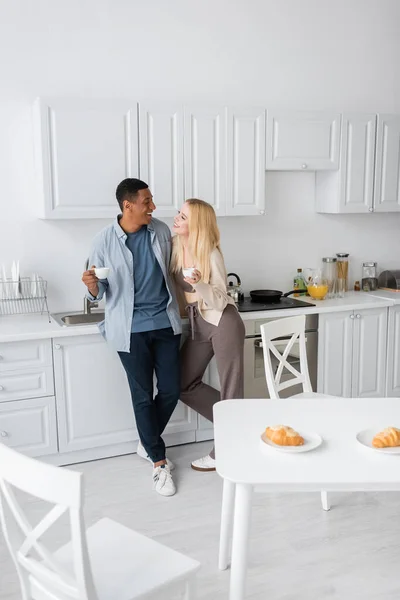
(34, 327)
(394, 296)
(351, 301)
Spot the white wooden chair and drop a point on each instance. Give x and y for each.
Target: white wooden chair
(293, 329)
(108, 561)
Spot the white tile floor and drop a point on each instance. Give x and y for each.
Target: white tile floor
(297, 551)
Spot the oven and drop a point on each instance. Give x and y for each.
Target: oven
(255, 383)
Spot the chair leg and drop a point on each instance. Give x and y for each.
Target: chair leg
(190, 589)
(325, 501)
(228, 500)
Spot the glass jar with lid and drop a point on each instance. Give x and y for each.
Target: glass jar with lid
(342, 270)
(369, 276)
(329, 274)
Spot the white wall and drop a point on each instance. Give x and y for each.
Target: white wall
(311, 54)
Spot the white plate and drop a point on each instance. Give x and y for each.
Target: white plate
(365, 438)
(311, 441)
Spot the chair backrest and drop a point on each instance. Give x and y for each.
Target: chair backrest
(292, 345)
(40, 575)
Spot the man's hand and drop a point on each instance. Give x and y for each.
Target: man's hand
(90, 280)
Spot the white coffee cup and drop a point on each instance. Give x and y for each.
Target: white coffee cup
(188, 272)
(101, 272)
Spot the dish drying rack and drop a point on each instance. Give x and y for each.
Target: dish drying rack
(24, 296)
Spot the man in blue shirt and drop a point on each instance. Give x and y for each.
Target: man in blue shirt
(142, 319)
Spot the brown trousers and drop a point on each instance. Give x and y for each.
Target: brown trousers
(226, 342)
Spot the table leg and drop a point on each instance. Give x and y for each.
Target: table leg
(241, 528)
(228, 500)
(325, 501)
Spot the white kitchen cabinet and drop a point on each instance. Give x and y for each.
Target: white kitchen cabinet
(29, 383)
(369, 171)
(83, 149)
(29, 426)
(393, 353)
(29, 354)
(205, 155)
(246, 161)
(302, 140)
(94, 405)
(351, 189)
(335, 350)
(369, 353)
(352, 353)
(387, 169)
(161, 154)
(93, 399)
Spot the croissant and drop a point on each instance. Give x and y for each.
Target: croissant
(284, 436)
(389, 437)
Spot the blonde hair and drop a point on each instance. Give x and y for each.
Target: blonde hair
(204, 237)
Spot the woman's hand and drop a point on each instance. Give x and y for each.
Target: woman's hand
(195, 278)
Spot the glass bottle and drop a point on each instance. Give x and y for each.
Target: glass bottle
(342, 265)
(299, 284)
(369, 278)
(329, 273)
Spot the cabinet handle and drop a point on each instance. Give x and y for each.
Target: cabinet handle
(358, 316)
(351, 316)
(57, 346)
(304, 166)
(262, 212)
(371, 209)
(1, 388)
(3, 434)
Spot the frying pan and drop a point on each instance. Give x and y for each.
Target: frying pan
(269, 296)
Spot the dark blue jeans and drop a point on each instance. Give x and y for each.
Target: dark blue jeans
(153, 351)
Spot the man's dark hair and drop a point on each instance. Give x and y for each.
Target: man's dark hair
(128, 189)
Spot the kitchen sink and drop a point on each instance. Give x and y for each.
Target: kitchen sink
(65, 319)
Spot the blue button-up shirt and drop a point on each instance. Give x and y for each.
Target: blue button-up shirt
(109, 250)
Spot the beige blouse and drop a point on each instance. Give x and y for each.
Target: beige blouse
(211, 297)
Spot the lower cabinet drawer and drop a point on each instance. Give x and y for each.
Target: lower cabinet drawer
(33, 383)
(29, 426)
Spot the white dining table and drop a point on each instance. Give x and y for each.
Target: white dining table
(340, 463)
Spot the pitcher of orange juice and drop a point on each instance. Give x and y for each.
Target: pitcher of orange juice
(317, 285)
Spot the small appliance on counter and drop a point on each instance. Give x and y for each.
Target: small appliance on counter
(234, 290)
(389, 280)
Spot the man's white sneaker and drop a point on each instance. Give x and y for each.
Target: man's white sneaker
(143, 454)
(163, 482)
(204, 464)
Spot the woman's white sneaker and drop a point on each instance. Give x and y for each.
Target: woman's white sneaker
(163, 482)
(143, 454)
(204, 464)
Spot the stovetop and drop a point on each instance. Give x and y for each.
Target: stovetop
(247, 305)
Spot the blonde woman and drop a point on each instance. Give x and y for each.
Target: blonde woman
(216, 327)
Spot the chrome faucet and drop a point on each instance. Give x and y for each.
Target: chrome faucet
(88, 304)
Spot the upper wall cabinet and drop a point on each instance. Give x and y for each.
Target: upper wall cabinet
(246, 162)
(387, 169)
(300, 140)
(351, 189)
(161, 154)
(205, 155)
(83, 149)
(369, 173)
